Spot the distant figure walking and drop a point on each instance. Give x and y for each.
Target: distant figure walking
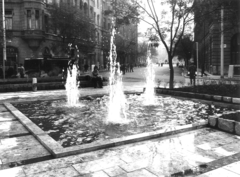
(21, 70)
(131, 67)
(192, 73)
(86, 67)
(97, 80)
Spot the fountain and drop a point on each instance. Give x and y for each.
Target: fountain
(72, 87)
(117, 100)
(71, 81)
(150, 81)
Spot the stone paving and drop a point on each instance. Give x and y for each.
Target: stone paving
(178, 154)
(205, 152)
(17, 145)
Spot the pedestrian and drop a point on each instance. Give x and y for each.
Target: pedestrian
(131, 67)
(21, 70)
(97, 80)
(1, 72)
(192, 73)
(108, 66)
(86, 67)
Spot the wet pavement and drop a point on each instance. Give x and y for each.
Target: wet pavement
(204, 152)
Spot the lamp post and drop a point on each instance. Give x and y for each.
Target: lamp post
(222, 43)
(197, 59)
(4, 37)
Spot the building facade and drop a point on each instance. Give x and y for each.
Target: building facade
(208, 35)
(30, 39)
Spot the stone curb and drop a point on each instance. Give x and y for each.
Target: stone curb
(48, 142)
(199, 95)
(58, 151)
(126, 140)
(226, 125)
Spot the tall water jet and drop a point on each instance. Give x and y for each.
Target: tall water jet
(150, 80)
(72, 87)
(117, 99)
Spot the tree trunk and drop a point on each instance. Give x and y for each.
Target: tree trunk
(171, 79)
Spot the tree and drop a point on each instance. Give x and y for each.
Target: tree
(185, 48)
(170, 25)
(143, 47)
(72, 26)
(125, 12)
(126, 45)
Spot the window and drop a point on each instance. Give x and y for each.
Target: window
(98, 37)
(109, 26)
(98, 20)
(8, 19)
(91, 12)
(94, 17)
(235, 49)
(37, 21)
(104, 23)
(85, 9)
(46, 23)
(29, 19)
(81, 4)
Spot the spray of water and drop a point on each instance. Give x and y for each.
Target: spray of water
(117, 99)
(150, 82)
(72, 87)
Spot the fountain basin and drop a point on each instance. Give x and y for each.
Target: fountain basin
(149, 126)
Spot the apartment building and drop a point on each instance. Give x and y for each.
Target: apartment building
(208, 32)
(30, 39)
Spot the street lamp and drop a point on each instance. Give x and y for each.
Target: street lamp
(4, 37)
(197, 59)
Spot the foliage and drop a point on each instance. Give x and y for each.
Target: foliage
(232, 90)
(143, 47)
(125, 11)
(169, 25)
(185, 48)
(70, 24)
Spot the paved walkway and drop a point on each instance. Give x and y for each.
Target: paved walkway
(205, 151)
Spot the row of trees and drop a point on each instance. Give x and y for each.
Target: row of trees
(172, 21)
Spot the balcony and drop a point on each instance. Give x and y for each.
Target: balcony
(33, 37)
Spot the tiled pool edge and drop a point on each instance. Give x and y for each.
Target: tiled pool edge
(48, 142)
(226, 125)
(224, 99)
(58, 151)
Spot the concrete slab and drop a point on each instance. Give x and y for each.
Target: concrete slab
(139, 173)
(97, 165)
(162, 156)
(21, 149)
(12, 128)
(219, 173)
(233, 167)
(96, 174)
(62, 172)
(114, 171)
(6, 116)
(13, 172)
(3, 108)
